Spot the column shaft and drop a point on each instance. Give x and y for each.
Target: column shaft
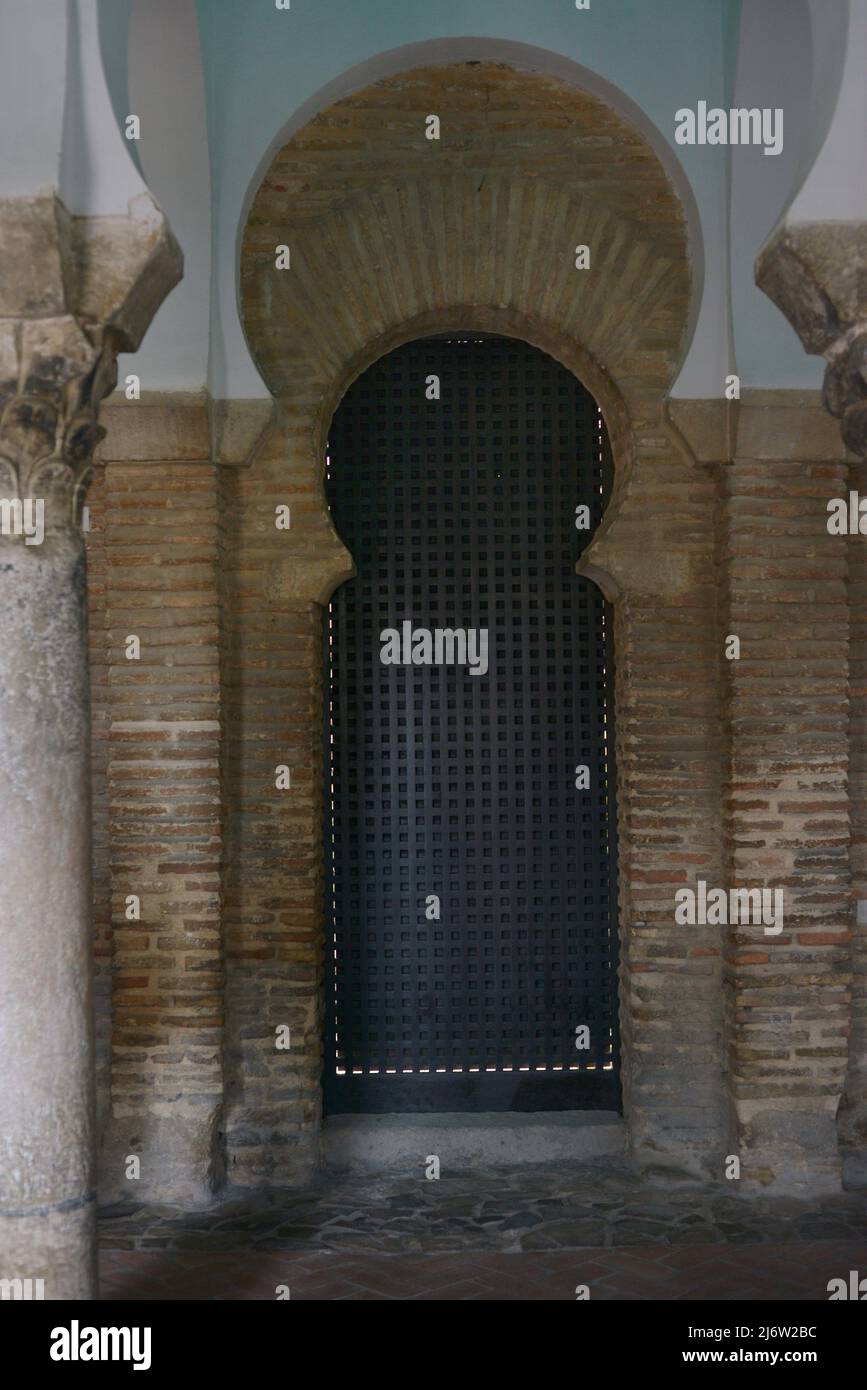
(47, 1198)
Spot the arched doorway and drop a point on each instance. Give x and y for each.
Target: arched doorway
(386, 248)
(471, 932)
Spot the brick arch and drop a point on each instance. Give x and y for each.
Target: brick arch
(526, 168)
(392, 236)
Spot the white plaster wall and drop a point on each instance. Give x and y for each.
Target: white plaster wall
(835, 188)
(59, 129)
(30, 132)
(774, 69)
(97, 175)
(166, 91)
(809, 57)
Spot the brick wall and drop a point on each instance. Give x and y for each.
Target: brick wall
(157, 790)
(669, 747)
(728, 772)
(735, 772)
(273, 860)
(787, 796)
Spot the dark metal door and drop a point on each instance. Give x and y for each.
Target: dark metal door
(460, 513)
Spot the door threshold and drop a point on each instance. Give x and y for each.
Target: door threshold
(402, 1143)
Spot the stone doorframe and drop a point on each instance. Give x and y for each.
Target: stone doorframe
(383, 248)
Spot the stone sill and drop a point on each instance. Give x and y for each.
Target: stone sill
(401, 1143)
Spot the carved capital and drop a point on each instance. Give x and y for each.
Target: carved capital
(74, 292)
(816, 273)
(52, 380)
(845, 389)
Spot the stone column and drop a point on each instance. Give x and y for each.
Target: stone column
(73, 292)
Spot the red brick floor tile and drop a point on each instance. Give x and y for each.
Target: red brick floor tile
(750, 1273)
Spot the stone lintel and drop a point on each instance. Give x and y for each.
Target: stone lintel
(183, 427)
(774, 424)
(706, 427)
(784, 424)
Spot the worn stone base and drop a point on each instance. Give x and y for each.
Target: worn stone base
(402, 1143)
(265, 1151)
(56, 1245)
(667, 1163)
(180, 1157)
(792, 1150)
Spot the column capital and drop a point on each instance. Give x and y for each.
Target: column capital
(74, 292)
(816, 273)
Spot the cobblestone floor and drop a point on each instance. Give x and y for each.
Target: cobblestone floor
(502, 1211)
